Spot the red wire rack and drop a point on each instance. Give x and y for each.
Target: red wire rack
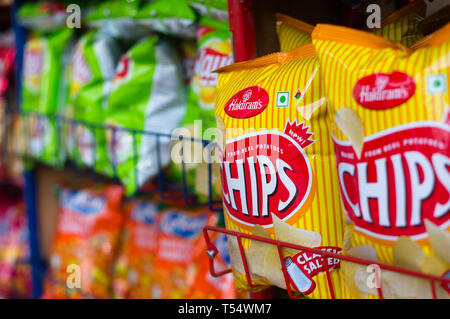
(213, 252)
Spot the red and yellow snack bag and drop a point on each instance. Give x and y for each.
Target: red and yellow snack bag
(279, 176)
(180, 233)
(403, 25)
(291, 32)
(390, 120)
(86, 238)
(134, 267)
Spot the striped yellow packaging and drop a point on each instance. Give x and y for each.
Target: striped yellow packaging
(390, 122)
(291, 32)
(278, 169)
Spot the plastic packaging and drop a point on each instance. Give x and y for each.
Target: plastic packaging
(214, 51)
(15, 273)
(94, 63)
(403, 25)
(148, 95)
(172, 17)
(44, 91)
(389, 117)
(291, 32)
(134, 265)
(180, 233)
(85, 242)
(214, 9)
(279, 175)
(43, 16)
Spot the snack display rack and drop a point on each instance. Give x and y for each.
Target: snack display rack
(212, 253)
(247, 27)
(165, 190)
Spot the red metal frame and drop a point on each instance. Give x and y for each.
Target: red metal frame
(212, 252)
(242, 27)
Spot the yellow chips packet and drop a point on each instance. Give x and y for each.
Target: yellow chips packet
(279, 176)
(403, 25)
(390, 120)
(291, 32)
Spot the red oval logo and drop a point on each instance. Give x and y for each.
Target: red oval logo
(380, 91)
(263, 173)
(247, 103)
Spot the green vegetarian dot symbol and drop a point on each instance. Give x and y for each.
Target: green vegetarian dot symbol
(282, 99)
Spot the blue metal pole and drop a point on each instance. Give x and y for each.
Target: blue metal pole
(29, 174)
(20, 34)
(35, 256)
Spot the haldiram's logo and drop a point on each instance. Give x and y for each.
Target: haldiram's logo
(381, 91)
(247, 103)
(247, 96)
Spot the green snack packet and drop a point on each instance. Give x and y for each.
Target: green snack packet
(215, 9)
(148, 95)
(172, 17)
(117, 17)
(214, 51)
(45, 16)
(44, 92)
(111, 10)
(93, 67)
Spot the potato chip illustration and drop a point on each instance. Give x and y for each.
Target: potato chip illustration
(439, 240)
(408, 254)
(350, 123)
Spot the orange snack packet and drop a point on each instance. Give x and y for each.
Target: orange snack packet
(134, 267)
(181, 231)
(202, 284)
(86, 238)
